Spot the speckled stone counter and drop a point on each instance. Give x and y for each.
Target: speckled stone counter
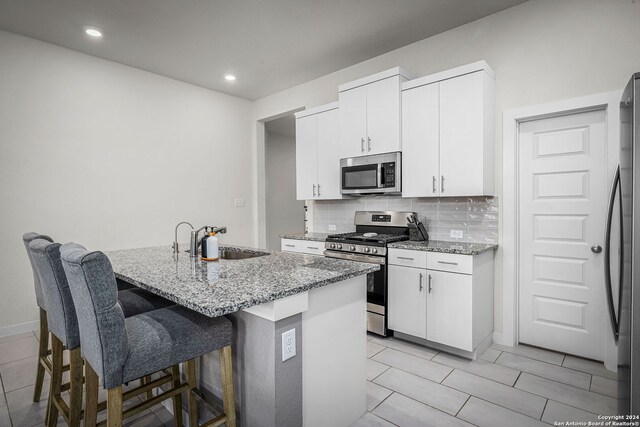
(316, 237)
(227, 286)
(448, 247)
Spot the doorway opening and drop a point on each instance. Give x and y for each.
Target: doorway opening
(283, 213)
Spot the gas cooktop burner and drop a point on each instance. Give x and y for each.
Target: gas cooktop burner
(367, 237)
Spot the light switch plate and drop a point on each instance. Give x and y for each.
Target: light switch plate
(288, 344)
(456, 234)
(239, 203)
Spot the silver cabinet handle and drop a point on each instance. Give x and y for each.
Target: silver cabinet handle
(314, 190)
(312, 247)
(442, 184)
(447, 262)
(290, 246)
(596, 249)
(318, 190)
(420, 282)
(368, 143)
(362, 144)
(433, 184)
(404, 257)
(429, 290)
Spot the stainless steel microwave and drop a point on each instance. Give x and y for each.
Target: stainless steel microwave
(376, 174)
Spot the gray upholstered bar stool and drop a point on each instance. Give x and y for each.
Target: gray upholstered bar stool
(63, 325)
(118, 350)
(43, 347)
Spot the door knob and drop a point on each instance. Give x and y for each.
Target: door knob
(596, 249)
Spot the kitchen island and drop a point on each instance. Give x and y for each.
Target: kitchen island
(322, 300)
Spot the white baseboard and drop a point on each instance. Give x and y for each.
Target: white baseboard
(6, 331)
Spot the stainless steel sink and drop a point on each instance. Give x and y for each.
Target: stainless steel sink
(231, 254)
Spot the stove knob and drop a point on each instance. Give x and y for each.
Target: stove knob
(339, 246)
(374, 250)
(333, 246)
(352, 248)
(367, 250)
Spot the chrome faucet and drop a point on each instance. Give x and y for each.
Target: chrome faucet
(195, 242)
(175, 237)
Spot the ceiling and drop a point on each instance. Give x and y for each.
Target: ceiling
(270, 45)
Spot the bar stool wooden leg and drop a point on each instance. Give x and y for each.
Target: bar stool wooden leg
(228, 399)
(91, 393)
(43, 347)
(114, 407)
(75, 390)
(145, 380)
(177, 399)
(56, 380)
(191, 399)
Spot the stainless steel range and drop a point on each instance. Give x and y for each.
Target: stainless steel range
(374, 231)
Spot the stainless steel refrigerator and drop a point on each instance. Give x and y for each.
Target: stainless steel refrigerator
(622, 263)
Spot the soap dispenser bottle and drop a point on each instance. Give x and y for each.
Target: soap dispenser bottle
(210, 246)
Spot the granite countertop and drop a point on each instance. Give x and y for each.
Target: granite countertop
(316, 237)
(442, 246)
(220, 287)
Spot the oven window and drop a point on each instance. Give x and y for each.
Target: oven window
(356, 177)
(376, 286)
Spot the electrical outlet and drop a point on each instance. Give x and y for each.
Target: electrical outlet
(456, 234)
(332, 227)
(239, 203)
(288, 344)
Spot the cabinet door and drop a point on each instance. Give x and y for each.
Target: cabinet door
(461, 135)
(306, 157)
(328, 155)
(353, 121)
(420, 139)
(407, 302)
(449, 313)
(383, 116)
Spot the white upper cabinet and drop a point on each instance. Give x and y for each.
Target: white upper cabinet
(306, 157)
(420, 141)
(370, 111)
(448, 133)
(318, 154)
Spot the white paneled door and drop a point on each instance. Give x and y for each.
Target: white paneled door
(562, 208)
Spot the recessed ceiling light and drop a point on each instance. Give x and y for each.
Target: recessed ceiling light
(230, 77)
(93, 32)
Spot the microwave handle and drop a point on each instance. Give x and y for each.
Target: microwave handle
(381, 175)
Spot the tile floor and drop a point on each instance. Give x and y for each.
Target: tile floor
(408, 385)
(17, 377)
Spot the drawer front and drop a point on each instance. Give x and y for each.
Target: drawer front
(450, 262)
(312, 247)
(290, 245)
(407, 258)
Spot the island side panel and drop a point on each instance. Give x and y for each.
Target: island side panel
(268, 391)
(335, 349)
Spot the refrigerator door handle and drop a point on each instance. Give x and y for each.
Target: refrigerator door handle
(607, 254)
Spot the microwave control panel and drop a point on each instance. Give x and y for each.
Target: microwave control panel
(388, 174)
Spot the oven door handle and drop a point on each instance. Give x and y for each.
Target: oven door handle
(371, 259)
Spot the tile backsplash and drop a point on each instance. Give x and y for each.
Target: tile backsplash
(476, 217)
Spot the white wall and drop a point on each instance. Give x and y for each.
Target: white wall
(110, 156)
(284, 213)
(541, 51)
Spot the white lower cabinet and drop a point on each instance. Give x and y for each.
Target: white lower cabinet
(309, 247)
(407, 303)
(449, 309)
(451, 304)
